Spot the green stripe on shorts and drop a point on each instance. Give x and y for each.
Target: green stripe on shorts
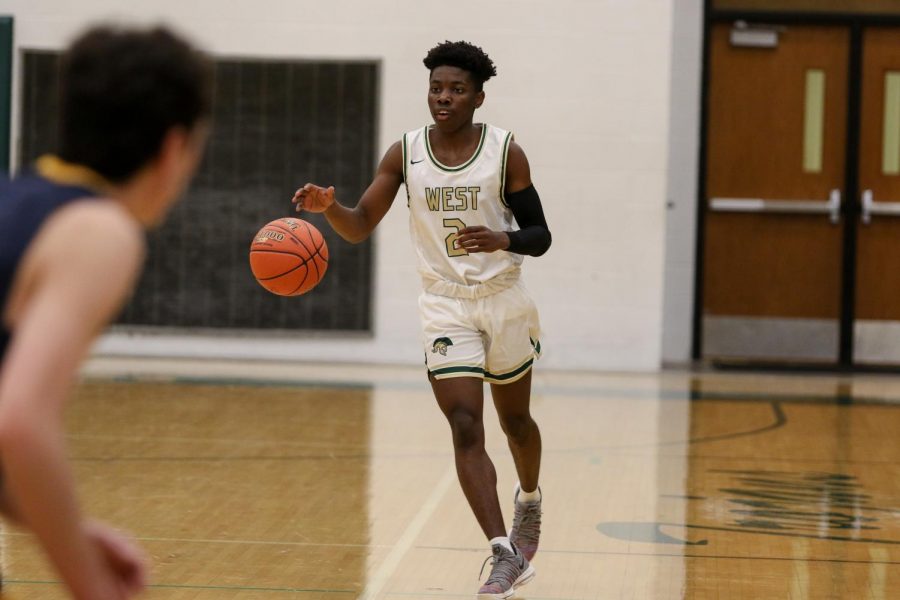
(511, 374)
(458, 369)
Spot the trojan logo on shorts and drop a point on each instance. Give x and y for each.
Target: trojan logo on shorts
(441, 344)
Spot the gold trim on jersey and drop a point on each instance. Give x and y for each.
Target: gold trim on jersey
(506, 142)
(62, 172)
(466, 164)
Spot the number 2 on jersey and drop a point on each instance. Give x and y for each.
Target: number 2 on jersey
(452, 249)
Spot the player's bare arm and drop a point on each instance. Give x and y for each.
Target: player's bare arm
(533, 238)
(357, 223)
(55, 317)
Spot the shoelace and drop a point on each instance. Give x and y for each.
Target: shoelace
(504, 567)
(527, 518)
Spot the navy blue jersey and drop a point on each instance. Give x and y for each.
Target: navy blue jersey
(25, 203)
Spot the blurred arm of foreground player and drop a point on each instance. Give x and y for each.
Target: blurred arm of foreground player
(70, 283)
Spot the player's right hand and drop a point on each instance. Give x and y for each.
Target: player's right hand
(313, 198)
(123, 561)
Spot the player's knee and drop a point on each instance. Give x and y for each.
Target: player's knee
(517, 427)
(467, 428)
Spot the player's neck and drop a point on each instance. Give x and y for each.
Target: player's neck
(456, 139)
(141, 197)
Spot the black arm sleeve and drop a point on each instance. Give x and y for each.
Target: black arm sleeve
(533, 237)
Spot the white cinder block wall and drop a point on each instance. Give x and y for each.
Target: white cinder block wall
(584, 84)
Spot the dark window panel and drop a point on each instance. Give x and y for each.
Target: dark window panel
(277, 125)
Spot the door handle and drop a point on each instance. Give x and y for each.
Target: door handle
(870, 207)
(830, 207)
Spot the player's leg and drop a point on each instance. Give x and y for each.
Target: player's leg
(461, 399)
(513, 403)
(455, 357)
(512, 331)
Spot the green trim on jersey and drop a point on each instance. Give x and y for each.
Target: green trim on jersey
(468, 163)
(405, 152)
(405, 155)
(509, 137)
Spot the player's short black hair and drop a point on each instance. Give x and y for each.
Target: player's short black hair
(465, 56)
(121, 90)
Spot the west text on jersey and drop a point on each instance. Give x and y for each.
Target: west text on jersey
(452, 198)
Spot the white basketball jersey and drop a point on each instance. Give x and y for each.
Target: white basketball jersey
(442, 200)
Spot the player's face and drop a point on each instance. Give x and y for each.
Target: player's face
(452, 97)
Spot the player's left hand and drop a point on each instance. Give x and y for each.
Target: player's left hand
(479, 238)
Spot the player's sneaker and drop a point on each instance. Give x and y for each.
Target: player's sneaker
(510, 570)
(526, 528)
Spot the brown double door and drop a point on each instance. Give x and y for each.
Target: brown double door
(785, 179)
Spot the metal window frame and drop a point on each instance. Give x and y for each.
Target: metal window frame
(6, 62)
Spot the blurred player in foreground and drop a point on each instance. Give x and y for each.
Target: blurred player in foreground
(474, 213)
(134, 108)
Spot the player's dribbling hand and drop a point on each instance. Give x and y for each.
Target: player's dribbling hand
(124, 561)
(478, 238)
(313, 198)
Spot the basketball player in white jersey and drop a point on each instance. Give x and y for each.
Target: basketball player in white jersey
(473, 214)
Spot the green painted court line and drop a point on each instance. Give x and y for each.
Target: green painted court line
(679, 554)
(521, 593)
(237, 382)
(234, 588)
(252, 589)
(537, 390)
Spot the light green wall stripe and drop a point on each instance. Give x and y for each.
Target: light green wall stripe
(814, 121)
(890, 155)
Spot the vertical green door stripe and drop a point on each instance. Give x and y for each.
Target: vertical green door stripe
(6, 57)
(444, 167)
(503, 168)
(814, 121)
(890, 154)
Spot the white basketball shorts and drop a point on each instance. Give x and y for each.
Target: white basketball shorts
(495, 338)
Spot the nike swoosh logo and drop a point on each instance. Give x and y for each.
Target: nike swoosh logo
(415, 162)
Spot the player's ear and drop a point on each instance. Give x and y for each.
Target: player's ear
(179, 154)
(181, 150)
(172, 148)
(479, 99)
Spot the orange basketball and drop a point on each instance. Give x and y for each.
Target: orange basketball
(288, 257)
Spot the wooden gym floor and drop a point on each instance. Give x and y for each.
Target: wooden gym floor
(271, 482)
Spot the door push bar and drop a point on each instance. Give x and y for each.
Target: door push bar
(830, 207)
(870, 207)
